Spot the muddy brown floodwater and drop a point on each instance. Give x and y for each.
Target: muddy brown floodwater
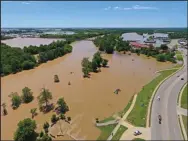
(87, 98)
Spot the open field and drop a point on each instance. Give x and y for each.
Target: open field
(87, 98)
(21, 42)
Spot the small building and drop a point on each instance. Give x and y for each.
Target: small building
(138, 45)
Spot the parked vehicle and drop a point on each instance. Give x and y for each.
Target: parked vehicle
(136, 133)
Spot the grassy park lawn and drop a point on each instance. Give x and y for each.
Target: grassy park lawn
(119, 133)
(185, 122)
(184, 97)
(179, 57)
(138, 115)
(106, 131)
(138, 139)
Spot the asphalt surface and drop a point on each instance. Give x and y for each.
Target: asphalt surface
(169, 129)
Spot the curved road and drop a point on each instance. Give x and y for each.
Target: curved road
(167, 107)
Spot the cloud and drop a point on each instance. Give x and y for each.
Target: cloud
(108, 8)
(143, 8)
(26, 3)
(135, 7)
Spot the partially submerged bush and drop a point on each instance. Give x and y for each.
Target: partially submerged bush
(56, 78)
(16, 100)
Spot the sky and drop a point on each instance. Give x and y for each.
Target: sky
(93, 14)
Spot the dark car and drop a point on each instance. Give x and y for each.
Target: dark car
(182, 78)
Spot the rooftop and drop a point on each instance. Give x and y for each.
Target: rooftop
(132, 37)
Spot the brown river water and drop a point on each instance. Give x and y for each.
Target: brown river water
(87, 98)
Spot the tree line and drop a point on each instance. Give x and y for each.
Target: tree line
(14, 60)
(109, 43)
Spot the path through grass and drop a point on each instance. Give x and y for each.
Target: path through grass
(119, 133)
(138, 115)
(106, 131)
(185, 122)
(184, 101)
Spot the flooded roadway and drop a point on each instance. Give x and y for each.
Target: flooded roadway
(87, 98)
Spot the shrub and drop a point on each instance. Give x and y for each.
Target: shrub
(56, 78)
(54, 118)
(16, 100)
(69, 118)
(62, 116)
(104, 62)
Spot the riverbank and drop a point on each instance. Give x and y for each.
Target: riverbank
(130, 76)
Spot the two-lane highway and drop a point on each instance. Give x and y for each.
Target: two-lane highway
(167, 107)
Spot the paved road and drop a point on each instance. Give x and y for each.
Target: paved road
(167, 107)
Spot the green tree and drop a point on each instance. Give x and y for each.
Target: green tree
(25, 131)
(16, 100)
(62, 105)
(104, 62)
(164, 47)
(54, 118)
(44, 137)
(27, 95)
(26, 65)
(33, 112)
(62, 116)
(44, 97)
(161, 58)
(86, 67)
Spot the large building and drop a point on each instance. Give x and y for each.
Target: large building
(156, 39)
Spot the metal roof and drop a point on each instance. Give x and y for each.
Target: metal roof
(132, 37)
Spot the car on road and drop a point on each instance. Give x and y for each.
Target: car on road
(182, 78)
(136, 133)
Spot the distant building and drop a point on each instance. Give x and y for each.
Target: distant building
(160, 36)
(138, 45)
(132, 37)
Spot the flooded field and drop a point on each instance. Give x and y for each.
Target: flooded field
(87, 98)
(21, 42)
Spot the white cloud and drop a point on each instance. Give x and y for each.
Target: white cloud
(26, 3)
(144, 8)
(135, 7)
(108, 8)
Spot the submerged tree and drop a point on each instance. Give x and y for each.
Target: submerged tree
(86, 67)
(27, 95)
(4, 109)
(26, 130)
(44, 97)
(104, 62)
(62, 105)
(33, 112)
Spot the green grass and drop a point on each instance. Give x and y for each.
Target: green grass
(119, 133)
(126, 108)
(185, 122)
(138, 115)
(178, 52)
(138, 139)
(106, 131)
(184, 101)
(179, 57)
(107, 119)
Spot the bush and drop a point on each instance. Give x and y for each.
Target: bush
(161, 58)
(104, 62)
(56, 78)
(16, 100)
(46, 125)
(27, 95)
(62, 116)
(54, 118)
(63, 107)
(69, 118)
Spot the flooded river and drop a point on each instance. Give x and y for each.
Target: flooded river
(87, 98)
